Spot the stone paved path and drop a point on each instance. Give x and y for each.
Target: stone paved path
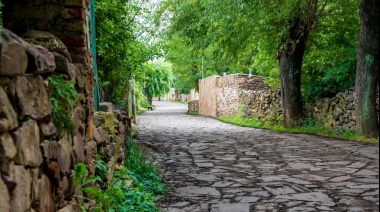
(217, 167)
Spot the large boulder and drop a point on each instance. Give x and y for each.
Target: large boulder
(66, 156)
(47, 40)
(40, 60)
(5, 199)
(13, 57)
(64, 66)
(31, 96)
(106, 107)
(20, 200)
(27, 141)
(7, 148)
(104, 119)
(8, 116)
(45, 196)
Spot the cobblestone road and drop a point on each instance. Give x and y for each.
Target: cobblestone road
(217, 167)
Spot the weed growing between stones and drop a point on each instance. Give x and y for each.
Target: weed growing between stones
(309, 126)
(135, 187)
(63, 98)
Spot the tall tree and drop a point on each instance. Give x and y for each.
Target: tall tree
(250, 29)
(122, 49)
(159, 79)
(290, 56)
(367, 71)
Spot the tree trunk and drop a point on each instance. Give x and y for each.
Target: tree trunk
(367, 69)
(290, 68)
(150, 100)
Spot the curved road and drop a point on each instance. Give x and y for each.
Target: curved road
(218, 167)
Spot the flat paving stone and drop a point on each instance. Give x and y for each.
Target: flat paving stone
(196, 190)
(218, 167)
(247, 199)
(310, 197)
(222, 184)
(229, 207)
(205, 165)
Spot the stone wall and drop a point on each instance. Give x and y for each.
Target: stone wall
(249, 96)
(229, 91)
(193, 106)
(66, 19)
(337, 112)
(112, 128)
(220, 96)
(264, 105)
(36, 164)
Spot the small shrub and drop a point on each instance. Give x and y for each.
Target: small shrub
(142, 170)
(101, 168)
(63, 98)
(134, 187)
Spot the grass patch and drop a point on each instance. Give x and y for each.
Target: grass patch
(193, 113)
(308, 127)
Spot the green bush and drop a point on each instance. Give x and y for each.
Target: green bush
(142, 170)
(134, 187)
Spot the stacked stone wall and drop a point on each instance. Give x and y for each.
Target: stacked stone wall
(250, 97)
(229, 91)
(66, 19)
(193, 106)
(36, 163)
(337, 112)
(264, 105)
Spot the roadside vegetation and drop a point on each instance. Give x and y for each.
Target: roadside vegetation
(309, 49)
(134, 187)
(308, 126)
(193, 113)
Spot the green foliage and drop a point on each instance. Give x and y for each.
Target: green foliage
(101, 168)
(63, 98)
(193, 113)
(141, 100)
(236, 36)
(135, 187)
(330, 62)
(309, 126)
(121, 51)
(142, 170)
(159, 78)
(122, 194)
(80, 174)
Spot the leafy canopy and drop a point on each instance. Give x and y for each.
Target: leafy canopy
(159, 78)
(236, 36)
(121, 50)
